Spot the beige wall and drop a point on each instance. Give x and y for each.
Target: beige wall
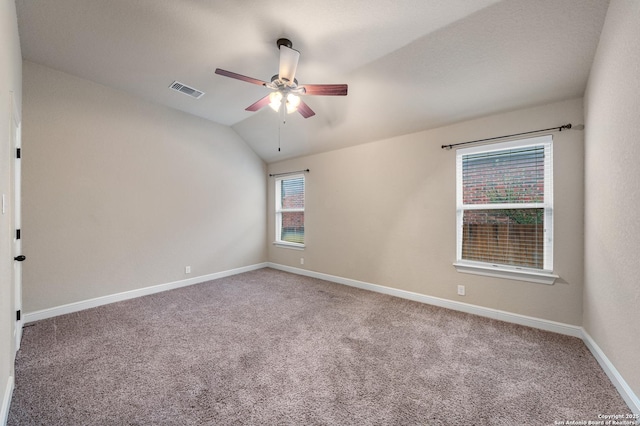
(10, 85)
(121, 194)
(384, 213)
(612, 228)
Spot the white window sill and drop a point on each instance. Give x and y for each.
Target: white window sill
(513, 273)
(292, 246)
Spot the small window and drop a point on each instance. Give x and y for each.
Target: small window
(290, 210)
(505, 206)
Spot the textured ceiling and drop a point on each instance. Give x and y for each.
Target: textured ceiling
(410, 64)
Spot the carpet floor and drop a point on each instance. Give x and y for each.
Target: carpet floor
(272, 348)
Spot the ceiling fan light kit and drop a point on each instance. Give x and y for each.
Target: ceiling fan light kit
(291, 101)
(285, 87)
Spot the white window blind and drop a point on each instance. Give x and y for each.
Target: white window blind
(505, 204)
(290, 210)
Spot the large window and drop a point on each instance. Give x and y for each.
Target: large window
(290, 210)
(505, 208)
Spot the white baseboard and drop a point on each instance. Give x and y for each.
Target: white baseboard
(618, 381)
(6, 401)
(542, 324)
(104, 300)
(571, 330)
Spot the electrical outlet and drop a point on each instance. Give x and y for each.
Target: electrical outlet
(461, 290)
(187, 269)
(302, 260)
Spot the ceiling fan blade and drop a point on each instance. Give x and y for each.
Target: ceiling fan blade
(259, 104)
(288, 63)
(325, 89)
(305, 111)
(240, 77)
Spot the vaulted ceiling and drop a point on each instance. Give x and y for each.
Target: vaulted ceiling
(410, 65)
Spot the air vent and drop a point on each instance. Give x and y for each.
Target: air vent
(183, 88)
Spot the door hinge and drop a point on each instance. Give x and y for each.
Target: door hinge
(18, 315)
(17, 234)
(17, 152)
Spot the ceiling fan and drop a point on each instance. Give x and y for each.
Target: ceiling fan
(284, 86)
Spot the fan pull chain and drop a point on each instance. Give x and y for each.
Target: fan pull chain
(284, 114)
(284, 121)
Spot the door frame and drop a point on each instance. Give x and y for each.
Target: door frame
(16, 219)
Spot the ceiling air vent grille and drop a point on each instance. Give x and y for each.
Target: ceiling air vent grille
(183, 88)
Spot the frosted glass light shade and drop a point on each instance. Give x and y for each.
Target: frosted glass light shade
(275, 99)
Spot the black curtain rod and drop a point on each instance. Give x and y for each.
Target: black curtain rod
(559, 129)
(288, 173)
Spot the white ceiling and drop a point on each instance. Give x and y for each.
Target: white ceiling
(410, 65)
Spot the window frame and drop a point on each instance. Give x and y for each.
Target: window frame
(279, 210)
(544, 275)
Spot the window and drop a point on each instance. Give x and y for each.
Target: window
(505, 210)
(290, 211)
